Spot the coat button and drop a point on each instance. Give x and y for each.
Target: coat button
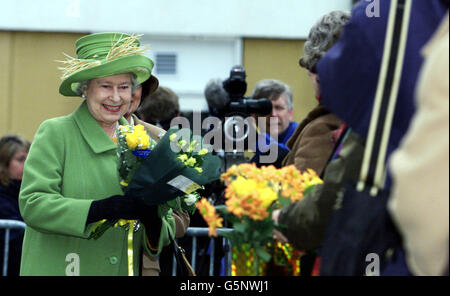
(113, 260)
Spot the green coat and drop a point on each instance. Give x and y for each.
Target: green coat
(72, 162)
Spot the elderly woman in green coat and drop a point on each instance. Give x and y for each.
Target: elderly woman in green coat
(71, 176)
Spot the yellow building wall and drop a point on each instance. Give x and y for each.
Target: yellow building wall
(5, 89)
(30, 80)
(278, 59)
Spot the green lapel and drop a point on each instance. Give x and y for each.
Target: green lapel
(92, 132)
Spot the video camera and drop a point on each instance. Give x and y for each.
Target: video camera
(236, 86)
(236, 128)
(226, 101)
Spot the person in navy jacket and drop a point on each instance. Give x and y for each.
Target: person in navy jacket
(276, 134)
(349, 71)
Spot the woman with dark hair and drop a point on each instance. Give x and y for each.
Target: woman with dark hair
(13, 153)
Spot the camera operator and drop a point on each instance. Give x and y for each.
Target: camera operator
(233, 113)
(276, 132)
(271, 106)
(237, 115)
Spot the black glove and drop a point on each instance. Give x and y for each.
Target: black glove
(121, 207)
(130, 208)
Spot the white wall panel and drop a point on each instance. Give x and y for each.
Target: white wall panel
(243, 18)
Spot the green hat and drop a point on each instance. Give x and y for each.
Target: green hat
(106, 54)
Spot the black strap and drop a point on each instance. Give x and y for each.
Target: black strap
(180, 256)
(386, 96)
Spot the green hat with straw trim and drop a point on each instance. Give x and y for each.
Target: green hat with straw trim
(106, 54)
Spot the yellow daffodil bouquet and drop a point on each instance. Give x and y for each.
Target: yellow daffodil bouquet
(251, 195)
(166, 173)
(133, 146)
(177, 166)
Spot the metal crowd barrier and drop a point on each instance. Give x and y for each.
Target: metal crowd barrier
(195, 232)
(7, 225)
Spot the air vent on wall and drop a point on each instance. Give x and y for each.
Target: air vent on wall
(166, 63)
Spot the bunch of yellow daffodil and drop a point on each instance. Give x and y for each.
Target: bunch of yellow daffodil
(189, 156)
(136, 137)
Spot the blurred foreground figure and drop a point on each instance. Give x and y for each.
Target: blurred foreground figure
(420, 166)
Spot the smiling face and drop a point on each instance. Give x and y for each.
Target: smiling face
(108, 98)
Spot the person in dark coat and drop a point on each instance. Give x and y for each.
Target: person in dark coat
(349, 74)
(13, 153)
(349, 70)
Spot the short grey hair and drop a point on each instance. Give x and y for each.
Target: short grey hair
(82, 86)
(322, 36)
(272, 89)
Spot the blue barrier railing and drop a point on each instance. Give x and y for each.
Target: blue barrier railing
(195, 232)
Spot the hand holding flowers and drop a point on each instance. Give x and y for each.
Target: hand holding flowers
(155, 174)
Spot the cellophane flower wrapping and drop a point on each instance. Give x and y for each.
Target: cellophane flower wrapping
(166, 173)
(175, 167)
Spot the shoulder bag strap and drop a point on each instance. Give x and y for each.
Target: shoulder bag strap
(180, 256)
(373, 166)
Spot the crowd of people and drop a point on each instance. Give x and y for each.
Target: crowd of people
(69, 181)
